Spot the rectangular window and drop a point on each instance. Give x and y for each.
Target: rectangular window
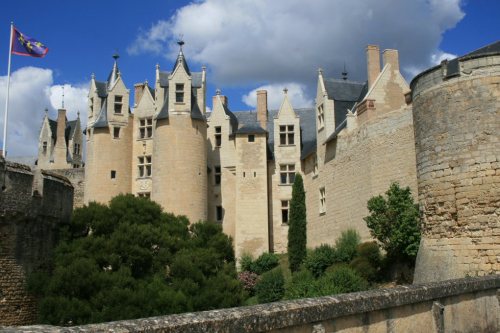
(179, 93)
(287, 135)
(315, 171)
(146, 128)
(218, 136)
(118, 104)
(75, 166)
(251, 138)
(144, 165)
(113, 174)
(44, 147)
(76, 149)
(284, 211)
(219, 213)
(287, 174)
(217, 175)
(322, 200)
(146, 195)
(116, 132)
(321, 117)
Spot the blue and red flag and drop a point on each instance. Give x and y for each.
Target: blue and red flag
(27, 46)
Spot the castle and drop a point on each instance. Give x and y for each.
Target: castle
(237, 168)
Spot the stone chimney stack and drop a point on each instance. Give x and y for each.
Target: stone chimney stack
(138, 91)
(373, 63)
(223, 99)
(391, 57)
(262, 108)
(61, 128)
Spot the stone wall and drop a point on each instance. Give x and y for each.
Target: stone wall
(464, 305)
(77, 179)
(32, 204)
(358, 165)
(457, 126)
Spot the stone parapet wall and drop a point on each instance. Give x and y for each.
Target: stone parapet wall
(77, 179)
(463, 305)
(32, 204)
(457, 126)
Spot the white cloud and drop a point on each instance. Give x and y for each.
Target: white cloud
(287, 40)
(31, 92)
(434, 59)
(296, 94)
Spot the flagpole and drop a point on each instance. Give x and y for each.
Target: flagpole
(6, 115)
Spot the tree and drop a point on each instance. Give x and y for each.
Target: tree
(130, 260)
(395, 223)
(297, 237)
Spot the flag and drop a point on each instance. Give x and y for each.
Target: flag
(27, 46)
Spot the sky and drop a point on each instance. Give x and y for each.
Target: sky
(246, 45)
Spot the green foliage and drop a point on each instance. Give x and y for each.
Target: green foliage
(319, 259)
(271, 286)
(129, 260)
(302, 284)
(346, 245)
(394, 221)
(340, 279)
(297, 237)
(264, 263)
(368, 261)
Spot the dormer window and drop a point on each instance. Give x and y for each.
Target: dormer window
(287, 135)
(179, 92)
(118, 104)
(218, 136)
(146, 128)
(91, 107)
(44, 147)
(76, 149)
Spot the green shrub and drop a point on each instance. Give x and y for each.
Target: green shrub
(302, 284)
(371, 252)
(297, 226)
(319, 259)
(271, 286)
(346, 245)
(340, 279)
(265, 262)
(246, 263)
(364, 268)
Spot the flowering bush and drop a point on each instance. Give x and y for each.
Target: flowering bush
(249, 281)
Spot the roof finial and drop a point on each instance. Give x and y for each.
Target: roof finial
(78, 113)
(116, 56)
(62, 97)
(46, 110)
(180, 41)
(344, 73)
(320, 71)
(285, 90)
(217, 91)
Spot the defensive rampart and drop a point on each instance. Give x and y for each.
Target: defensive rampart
(456, 114)
(32, 205)
(464, 305)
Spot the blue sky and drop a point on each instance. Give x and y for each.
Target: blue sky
(245, 44)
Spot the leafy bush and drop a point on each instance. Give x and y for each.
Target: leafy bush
(346, 245)
(364, 268)
(246, 262)
(371, 252)
(395, 223)
(249, 281)
(319, 259)
(137, 262)
(340, 279)
(302, 284)
(271, 286)
(265, 262)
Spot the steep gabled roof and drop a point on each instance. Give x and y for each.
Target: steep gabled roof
(102, 118)
(53, 128)
(345, 94)
(102, 91)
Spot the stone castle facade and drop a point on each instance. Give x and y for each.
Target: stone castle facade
(237, 168)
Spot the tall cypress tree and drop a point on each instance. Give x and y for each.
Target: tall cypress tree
(297, 238)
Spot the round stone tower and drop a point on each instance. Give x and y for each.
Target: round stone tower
(180, 143)
(456, 114)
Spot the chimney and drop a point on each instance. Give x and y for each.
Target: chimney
(262, 108)
(61, 128)
(391, 57)
(138, 91)
(223, 99)
(373, 63)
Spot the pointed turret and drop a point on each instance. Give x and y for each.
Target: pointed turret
(181, 60)
(115, 72)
